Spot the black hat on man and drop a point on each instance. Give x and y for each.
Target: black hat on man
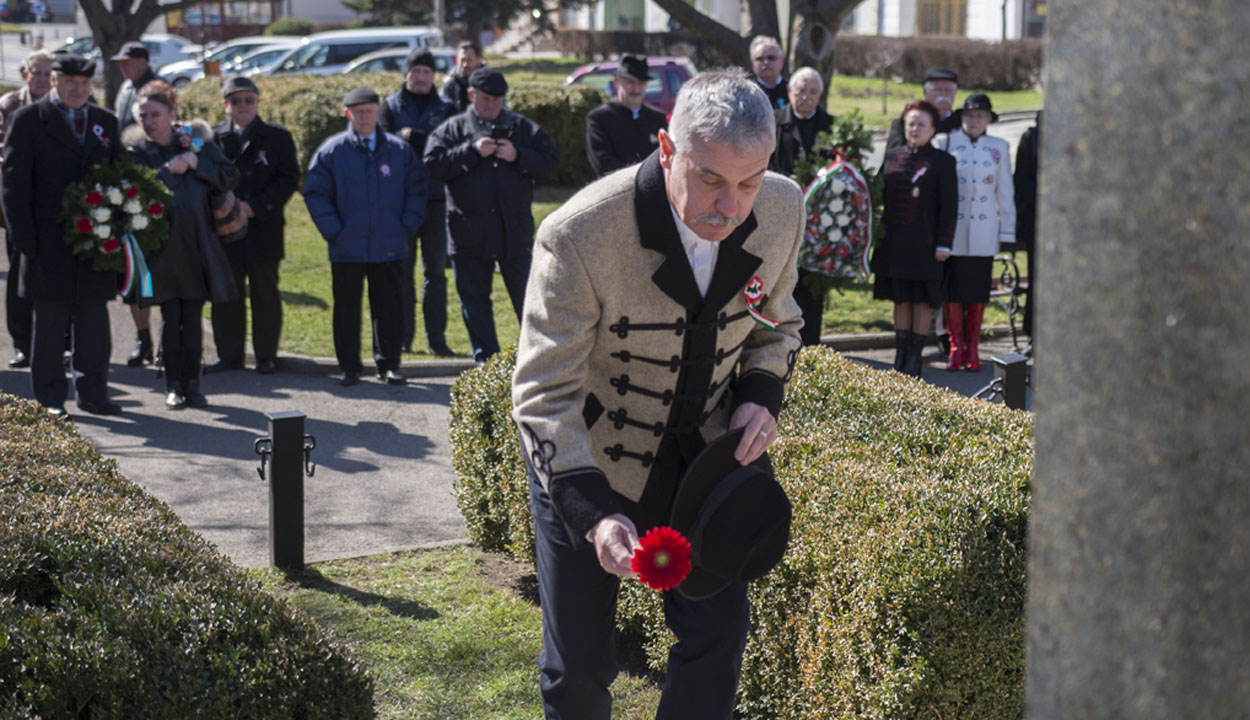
(73, 64)
(633, 66)
(980, 101)
(360, 96)
(736, 518)
(489, 81)
(238, 83)
(419, 56)
(940, 73)
(132, 50)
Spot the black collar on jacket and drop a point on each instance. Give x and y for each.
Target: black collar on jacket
(675, 278)
(232, 143)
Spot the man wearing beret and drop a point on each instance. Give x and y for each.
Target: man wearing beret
(133, 59)
(940, 86)
(366, 192)
(264, 153)
(625, 131)
(659, 316)
(412, 112)
(489, 157)
(51, 145)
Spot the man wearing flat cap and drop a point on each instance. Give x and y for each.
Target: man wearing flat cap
(659, 316)
(624, 131)
(132, 59)
(489, 157)
(412, 112)
(366, 192)
(940, 85)
(269, 173)
(51, 145)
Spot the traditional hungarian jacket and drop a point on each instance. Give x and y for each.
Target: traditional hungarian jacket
(987, 206)
(623, 371)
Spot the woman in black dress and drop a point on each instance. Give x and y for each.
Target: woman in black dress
(920, 201)
(191, 267)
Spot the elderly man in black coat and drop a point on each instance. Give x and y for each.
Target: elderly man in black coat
(51, 145)
(625, 131)
(269, 173)
(940, 85)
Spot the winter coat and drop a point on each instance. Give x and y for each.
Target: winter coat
(616, 139)
(268, 176)
(987, 207)
(921, 201)
(455, 91)
(366, 204)
(400, 110)
(124, 106)
(790, 139)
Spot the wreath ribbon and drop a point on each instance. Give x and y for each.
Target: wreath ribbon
(136, 268)
(754, 296)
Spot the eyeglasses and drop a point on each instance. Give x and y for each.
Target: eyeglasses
(767, 58)
(245, 100)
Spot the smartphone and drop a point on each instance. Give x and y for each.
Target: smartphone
(501, 133)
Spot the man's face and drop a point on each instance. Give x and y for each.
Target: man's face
(805, 96)
(711, 185)
(364, 117)
(486, 106)
(766, 62)
(941, 93)
(467, 61)
(630, 92)
(419, 80)
(133, 68)
(242, 107)
(975, 122)
(72, 89)
(39, 78)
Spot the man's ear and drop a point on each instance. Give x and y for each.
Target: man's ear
(667, 149)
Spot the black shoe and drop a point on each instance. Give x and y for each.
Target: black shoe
(106, 408)
(392, 377)
(57, 412)
(20, 360)
(223, 365)
(441, 350)
(143, 350)
(347, 379)
(192, 395)
(266, 367)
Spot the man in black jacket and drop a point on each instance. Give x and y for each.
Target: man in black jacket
(133, 61)
(489, 157)
(269, 173)
(768, 62)
(455, 88)
(625, 131)
(51, 145)
(940, 86)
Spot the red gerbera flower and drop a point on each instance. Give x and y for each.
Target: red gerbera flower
(94, 198)
(111, 245)
(155, 209)
(132, 191)
(84, 225)
(663, 560)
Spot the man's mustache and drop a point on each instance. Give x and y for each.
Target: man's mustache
(718, 219)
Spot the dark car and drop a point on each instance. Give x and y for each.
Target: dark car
(668, 75)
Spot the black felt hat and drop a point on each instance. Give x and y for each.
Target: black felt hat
(736, 518)
(489, 81)
(360, 96)
(238, 83)
(633, 66)
(132, 50)
(419, 56)
(73, 64)
(940, 73)
(980, 101)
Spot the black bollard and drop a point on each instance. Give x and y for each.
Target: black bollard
(1011, 376)
(286, 489)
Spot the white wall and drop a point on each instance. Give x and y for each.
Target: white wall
(319, 11)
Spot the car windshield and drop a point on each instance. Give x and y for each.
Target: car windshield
(260, 59)
(310, 55)
(80, 45)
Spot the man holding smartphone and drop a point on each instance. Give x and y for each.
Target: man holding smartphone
(489, 157)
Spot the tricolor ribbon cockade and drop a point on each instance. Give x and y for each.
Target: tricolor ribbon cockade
(754, 296)
(137, 273)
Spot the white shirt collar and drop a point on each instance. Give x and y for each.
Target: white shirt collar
(701, 253)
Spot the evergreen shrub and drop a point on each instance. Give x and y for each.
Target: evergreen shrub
(293, 26)
(981, 65)
(902, 593)
(113, 609)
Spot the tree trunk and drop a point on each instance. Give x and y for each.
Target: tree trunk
(816, 24)
(726, 41)
(115, 27)
(759, 18)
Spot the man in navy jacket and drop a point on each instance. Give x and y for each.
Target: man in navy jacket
(366, 193)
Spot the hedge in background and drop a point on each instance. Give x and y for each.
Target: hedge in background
(311, 107)
(1008, 65)
(902, 593)
(112, 608)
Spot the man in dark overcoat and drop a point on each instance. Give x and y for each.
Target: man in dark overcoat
(51, 145)
(940, 85)
(625, 131)
(264, 153)
(455, 88)
(133, 59)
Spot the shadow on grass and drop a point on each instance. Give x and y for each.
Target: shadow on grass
(294, 298)
(312, 579)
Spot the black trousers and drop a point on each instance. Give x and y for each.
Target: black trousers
(474, 281)
(385, 291)
(578, 661)
(19, 313)
(812, 307)
(182, 339)
(258, 282)
(433, 236)
(92, 344)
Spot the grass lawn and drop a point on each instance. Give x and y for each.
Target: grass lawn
(446, 634)
(848, 93)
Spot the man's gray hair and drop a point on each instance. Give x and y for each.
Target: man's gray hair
(724, 106)
(37, 56)
(760, 41)
(804, 74)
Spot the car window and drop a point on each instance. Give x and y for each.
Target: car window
(259, 59)
(154, 48)
(673, 80)
(655, 90)
(311, 55)
(598, 80)
(345, 53)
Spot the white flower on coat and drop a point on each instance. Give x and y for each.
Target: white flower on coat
(826, 220)
(138, 222)
(101, 214)
(132, 207)
(103, 231)
(115, 196)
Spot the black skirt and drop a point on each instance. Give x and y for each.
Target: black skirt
(968, 278)
(899, 290)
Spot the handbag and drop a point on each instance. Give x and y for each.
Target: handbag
(231, 223)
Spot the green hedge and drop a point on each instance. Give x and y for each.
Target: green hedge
(112, 608)
(902, 593)
(1006, 65)
(311, 107)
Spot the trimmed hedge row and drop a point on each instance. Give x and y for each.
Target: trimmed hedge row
(902, 594)
(112, 608)
(311, 107)
(1007, 65)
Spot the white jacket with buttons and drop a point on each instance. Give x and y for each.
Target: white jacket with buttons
(987, 209)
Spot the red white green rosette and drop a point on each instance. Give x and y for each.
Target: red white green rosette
(839, 223)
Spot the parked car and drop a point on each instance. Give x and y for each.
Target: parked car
(668, 75)
(261, 61)
(163, 48)
(392, 60)
(184, 71)
(326, 53)
(19, 12)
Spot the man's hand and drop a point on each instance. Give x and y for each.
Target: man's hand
(505, 150)
(761, 430)
(615, 539)
(941, 254)
(485, 146)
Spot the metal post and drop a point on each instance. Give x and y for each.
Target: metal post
(1011, 374)
(286, 490)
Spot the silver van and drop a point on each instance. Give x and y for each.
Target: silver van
(329, 52)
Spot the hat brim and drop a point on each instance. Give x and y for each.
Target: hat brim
(631, 76)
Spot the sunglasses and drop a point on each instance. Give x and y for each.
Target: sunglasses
(245, 100)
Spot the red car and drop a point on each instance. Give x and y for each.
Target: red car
(668, 74)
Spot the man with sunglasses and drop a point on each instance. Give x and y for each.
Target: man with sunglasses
(767, 62)
(264, 153)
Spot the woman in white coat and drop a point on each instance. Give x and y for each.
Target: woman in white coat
(986, 219)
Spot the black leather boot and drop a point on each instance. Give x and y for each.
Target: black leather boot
(193, 396)
(901, 339)
(915, 352)
(143, 350)
(174, 399)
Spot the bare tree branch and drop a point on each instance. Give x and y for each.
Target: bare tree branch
(728, 42)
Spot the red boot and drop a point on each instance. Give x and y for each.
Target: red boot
(975, 312)
(954, 316)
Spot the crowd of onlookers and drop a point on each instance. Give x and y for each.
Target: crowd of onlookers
(445, 174)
